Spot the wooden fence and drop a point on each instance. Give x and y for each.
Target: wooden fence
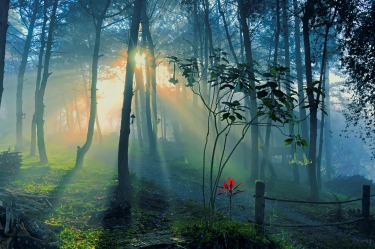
(260, 205)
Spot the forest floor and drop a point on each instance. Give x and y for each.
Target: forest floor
(304, 226)
(166, 190)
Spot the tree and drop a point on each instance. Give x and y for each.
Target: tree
(299, 74)
(358, 59)
(33, 140)
(39, 112)
(4, 7)
(98, 22)
(308, 14)
(252, 103)
(21, 73)
(124, 189)
(148, 47)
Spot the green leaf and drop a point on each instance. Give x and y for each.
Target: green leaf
(262, 94)
(225, 115)
(239, 116)
(226, 86)
(213, 75)
(288, 141)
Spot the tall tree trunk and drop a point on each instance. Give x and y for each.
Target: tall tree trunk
(265, 157)
(308, 12)
(142, 99)
(153, 82)
(4, 7)
(38, 80)
(77, 113)
(253, 103)
(21, 75)
(287, 64)
(43, 84)
(150, 130)
(327, 128)
(301, 94)
(231, 48)
(66, 112)
(137, 115)
(98, 128)
(322, 79)
(195, 41)
(123, 152)
(81, 151)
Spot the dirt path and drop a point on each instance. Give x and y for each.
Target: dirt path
(185, 183)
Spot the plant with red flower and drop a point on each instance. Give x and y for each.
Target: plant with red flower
(230, 190)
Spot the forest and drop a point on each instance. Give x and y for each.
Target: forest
(187, 124)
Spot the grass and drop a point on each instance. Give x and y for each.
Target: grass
(77, 195)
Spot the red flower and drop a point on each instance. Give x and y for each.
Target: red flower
(229, 188)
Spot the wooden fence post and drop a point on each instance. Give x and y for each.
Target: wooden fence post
(259, 202)
(366, 201)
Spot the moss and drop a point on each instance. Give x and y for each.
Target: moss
(220, 231)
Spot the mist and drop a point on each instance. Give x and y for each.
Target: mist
(187, 124)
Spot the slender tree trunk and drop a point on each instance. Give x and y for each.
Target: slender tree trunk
(21, 75)
(138, 115)
(265, 153)
(195, 41)
(38, 81)
(253, 103)
(43, 84)
(81, 151)
(99, 129)
(77, 113)
(301, 94)
(123, 152)
(322, 86)
(142, 99)
(222, 14)
(287, 64)
(66, 112)
(4, 7)
(327, 128)
(153, 83)
(150, 130)
(308, 12)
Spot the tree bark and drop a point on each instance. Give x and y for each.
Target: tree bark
(327, 127)
(137, 115)
(38, 80)
(123, 152)
(308, 12)
(142, 99)
(231, 48)
(43, 84)
(150, 130)
(301, 94)
(21, 75)
(98, 19)
(265, 157)
(284, 5)
(253, 103)
(4, 7)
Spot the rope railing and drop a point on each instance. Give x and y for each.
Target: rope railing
(260, 206)
(317, 225)
(312, 202)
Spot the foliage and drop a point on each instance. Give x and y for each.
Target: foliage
(231, 89)
(358, 59)
(349, 185)
(222, 232)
